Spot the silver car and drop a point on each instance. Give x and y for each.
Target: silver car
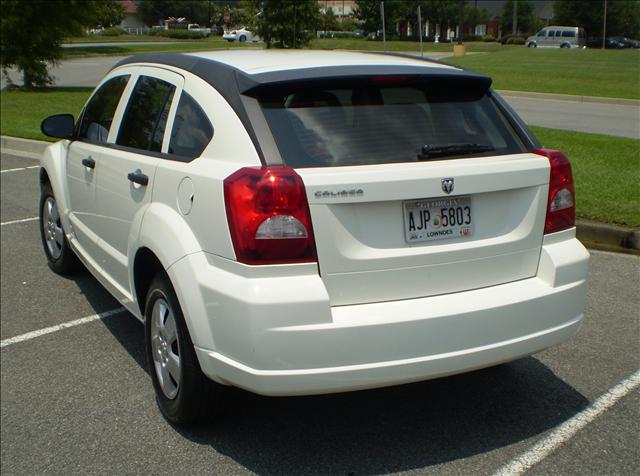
(558, 37)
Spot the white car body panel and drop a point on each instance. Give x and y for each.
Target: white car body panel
(367, 314)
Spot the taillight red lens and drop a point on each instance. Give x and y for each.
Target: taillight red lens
(561, 205)
(268, 216)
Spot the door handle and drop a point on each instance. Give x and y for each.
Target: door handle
(138, 177)
(89, 162)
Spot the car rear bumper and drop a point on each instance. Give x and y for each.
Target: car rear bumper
(279, 336)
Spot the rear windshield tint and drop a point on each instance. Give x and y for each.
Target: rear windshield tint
(377, 124)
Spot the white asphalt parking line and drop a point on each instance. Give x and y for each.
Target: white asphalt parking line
(22, 220)
(19, 169)
(569, 428)
(59, 327)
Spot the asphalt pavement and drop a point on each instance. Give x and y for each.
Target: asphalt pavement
(614, 119)
(78, 399)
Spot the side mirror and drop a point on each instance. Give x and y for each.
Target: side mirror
(60, 126)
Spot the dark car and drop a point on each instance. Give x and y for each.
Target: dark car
(626, 42)
(610, 43)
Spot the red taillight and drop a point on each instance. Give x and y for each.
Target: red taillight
(268, 216)
(561, 205)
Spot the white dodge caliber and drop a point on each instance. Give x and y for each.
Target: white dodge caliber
(303, 222)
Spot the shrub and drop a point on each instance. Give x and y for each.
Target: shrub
(515, 40)
(488, 38)
(178, 34)
(113, 31)
(505, 39)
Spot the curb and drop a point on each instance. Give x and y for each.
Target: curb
(594, 234)
(569, 97)
(602, 235)
(28, 148)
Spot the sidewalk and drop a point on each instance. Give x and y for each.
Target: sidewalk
(594, 235)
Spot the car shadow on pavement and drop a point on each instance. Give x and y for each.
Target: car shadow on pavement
(383, 430)
(392, 429)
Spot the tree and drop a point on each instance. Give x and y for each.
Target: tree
(32, 32)
(526, 18)
(623, 16)
(328, 20)
(109, 14)
(286, 23)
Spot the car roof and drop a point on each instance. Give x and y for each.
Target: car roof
(262, 61)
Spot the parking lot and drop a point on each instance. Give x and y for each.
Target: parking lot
(76, 397)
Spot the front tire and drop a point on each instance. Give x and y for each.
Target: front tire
(242, 38)
(60, 257)
(184, 394)
(532, 45)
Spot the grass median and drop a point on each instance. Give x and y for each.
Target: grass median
(606, 168)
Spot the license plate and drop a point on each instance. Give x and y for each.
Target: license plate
(437, 219)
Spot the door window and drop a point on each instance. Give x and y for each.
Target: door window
(192, 131)
(98, 114)
(146, 116)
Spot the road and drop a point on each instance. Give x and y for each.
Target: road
(78, 400)
(613, 119)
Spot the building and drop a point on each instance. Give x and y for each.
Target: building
(131, 22)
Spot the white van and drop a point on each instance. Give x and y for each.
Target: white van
(558, 37)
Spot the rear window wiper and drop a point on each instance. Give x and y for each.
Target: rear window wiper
(430, 151)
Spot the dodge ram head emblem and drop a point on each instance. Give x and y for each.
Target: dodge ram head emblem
(447, 185)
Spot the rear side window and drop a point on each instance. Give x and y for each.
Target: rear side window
(192, 131)
(146, 116)
(551, 33)
(569, 33)
(98, 114)
(377, 124)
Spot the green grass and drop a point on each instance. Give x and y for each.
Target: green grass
(606, 171)
(605, 73)
(606, 168)
(399, 46)
(23, 111)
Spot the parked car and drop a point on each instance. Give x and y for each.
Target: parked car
(626, 42)
(558, 37)
(240, 35)
(303, 222)
(391, 35)
(206, 32)
(610, 43)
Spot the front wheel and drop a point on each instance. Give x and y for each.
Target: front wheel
(184, 394)
(60, 257)
(242, 38)
(532, 45)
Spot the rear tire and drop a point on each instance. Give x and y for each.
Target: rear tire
(242, 38)
(184, 394)
(60, 257)
(564, 45)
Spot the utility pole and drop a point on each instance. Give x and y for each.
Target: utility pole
(420, 30)
(604, 26)
(515, 17)
(384, 30)
(461, 22)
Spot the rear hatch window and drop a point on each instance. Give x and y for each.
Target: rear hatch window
(379, 120)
